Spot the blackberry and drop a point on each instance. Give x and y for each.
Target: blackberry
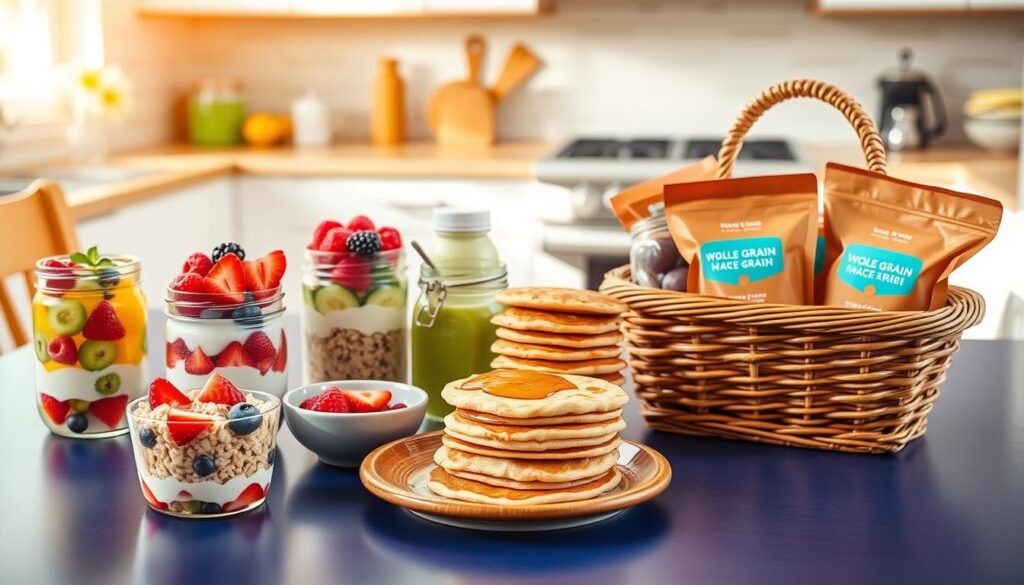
(228, 248)
(364, 243)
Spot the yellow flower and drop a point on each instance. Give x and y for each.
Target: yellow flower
(89, 79)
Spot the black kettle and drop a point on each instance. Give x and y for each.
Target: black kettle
(912, 111)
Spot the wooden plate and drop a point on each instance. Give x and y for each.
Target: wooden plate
(397, 473)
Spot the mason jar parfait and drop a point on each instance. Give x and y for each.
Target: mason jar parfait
(354, 316)
(89, 335)
(222, 325)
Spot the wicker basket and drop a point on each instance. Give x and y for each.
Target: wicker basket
(804, 376)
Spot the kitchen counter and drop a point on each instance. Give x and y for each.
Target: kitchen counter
(180, 165)
(173, 167)
(947, 509)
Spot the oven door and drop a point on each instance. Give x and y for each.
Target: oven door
(590, 247)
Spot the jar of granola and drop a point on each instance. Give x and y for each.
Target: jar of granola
(354, 316)
(89, 334)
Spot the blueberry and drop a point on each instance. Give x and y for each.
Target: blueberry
(147, 437)
(244, 418)
(246, 312)
(109, 277)
(210, 314)
(203, 465)
(271, 456)
(77, 423)
(209, 508)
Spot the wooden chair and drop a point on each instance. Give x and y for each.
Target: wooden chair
(33, 224)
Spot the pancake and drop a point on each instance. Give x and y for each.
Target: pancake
(573, 340)
(447, 485)
(580, 368)
(532, 446)
(617, 378)
(551, 454)
(532, 320)
(561, 354)
(493, 419)
(566, 300)
(585, 395)
(525, 470)
(531, 434)
(517, 485)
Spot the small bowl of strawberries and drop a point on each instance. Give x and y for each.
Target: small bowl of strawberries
(343, 421)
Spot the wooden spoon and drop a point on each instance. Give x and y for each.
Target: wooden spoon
(520, 64)
(474, 48)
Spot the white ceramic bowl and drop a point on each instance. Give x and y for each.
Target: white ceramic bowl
(344, 439)
(993, 133)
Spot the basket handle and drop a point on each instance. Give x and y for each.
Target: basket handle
(870, 140)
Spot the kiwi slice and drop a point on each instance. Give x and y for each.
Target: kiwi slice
(67, 317)
(307, 295)
(108, 384)
(387, 296)
(334, 298)
(40, 343)
(95, 355)
(80, 406)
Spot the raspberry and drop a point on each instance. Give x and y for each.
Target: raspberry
(199, 263)
(390, 239)
(188, 282)
(360, 223)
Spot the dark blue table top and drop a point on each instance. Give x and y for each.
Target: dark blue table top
(949, 508)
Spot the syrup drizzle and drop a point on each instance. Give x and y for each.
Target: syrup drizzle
(521, 384)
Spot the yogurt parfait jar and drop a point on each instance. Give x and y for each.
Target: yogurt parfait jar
(89, 336)
(245, 341)
(354, 316)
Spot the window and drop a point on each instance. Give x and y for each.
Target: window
(27, 52)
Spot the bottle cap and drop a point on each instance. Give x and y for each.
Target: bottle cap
(461, 219)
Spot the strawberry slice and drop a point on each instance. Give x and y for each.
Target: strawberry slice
(233, 355)
(335, 240)
(226, 280)
(198, 363)
(57, 410)
(175, 352)
(148, 494)
(264, 274)
(367, 400)
(260, 347)
(264, 365)
(183, 426)
(109, 410)
(103, 324)
(161, 391)
(282, 355)
(185, 494)
(248, 497)
(220, 390)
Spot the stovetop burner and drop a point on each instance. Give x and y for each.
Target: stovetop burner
(662, 148)
(751, 150)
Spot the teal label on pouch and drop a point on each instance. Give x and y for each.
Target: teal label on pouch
(741, 261)
(877, 271)
(819, 255)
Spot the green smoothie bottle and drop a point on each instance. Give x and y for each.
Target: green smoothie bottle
(452, 331)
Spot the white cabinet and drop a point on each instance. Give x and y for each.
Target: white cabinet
(282, 212)
(341, 8)
(879, 5)
(163, 231)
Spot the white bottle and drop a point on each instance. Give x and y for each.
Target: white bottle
(311, 125)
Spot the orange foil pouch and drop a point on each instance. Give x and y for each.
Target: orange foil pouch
(751, 239)
(633, 203)
(891, 245)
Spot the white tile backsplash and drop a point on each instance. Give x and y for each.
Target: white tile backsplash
(611, 66)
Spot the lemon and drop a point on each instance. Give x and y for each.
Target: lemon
(262, 129)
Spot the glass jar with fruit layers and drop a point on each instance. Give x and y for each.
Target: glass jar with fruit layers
(354, 317)
(89, 327)
(241, 336)
(654, 260)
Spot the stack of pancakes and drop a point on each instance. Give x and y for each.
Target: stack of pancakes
(560, 330)
(556, 442)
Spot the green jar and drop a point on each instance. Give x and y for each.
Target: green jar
(216, 113)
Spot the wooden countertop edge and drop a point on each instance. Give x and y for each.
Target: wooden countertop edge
(102, 199)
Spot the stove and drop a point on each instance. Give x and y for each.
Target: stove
(624, 161)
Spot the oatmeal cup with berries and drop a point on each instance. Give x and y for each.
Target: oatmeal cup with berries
(204, 452)
(355, 291)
